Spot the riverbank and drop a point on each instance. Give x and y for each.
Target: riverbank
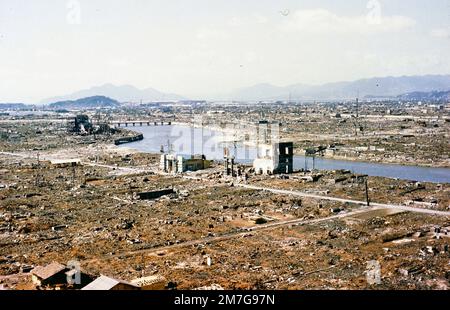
(190, 142)
(238, 136)
(385, 161)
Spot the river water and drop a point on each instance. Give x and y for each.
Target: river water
(186, 140)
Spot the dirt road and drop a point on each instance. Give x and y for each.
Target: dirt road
(321, 197)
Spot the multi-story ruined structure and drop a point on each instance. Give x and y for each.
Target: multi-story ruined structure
(273, 156)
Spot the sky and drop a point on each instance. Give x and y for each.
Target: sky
(202, 48)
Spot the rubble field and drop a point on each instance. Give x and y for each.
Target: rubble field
(92, 214)
(75, 197)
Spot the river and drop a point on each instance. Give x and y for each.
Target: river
(186, 140)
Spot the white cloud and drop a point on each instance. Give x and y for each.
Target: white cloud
(253, 19)
(119, 62)
(441, 32)
(46, 53)
(211, 33)
(321, 21)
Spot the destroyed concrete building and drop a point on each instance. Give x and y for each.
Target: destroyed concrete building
(228, 162)
(81, 124)
(274, 158)
(172, 163)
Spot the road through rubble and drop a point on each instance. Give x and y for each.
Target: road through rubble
(295, 222)
(247, 232)
(320, 197)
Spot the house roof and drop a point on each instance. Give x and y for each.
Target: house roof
(48, 271)
(104, 283)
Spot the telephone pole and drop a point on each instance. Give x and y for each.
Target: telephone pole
(357, 115)
(367, 191)
(74, 174)
(38, 171)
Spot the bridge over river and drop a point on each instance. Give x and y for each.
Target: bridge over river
(134, 123)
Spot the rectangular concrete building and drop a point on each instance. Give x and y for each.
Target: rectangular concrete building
(276, 158)
(172, 163)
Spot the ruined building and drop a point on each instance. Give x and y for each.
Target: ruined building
(82, 124)
(274, 158)
(172, 163)
(228, 162)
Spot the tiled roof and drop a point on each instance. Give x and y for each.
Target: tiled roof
(48, 271)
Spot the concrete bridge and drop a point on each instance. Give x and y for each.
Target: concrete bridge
(135, 123)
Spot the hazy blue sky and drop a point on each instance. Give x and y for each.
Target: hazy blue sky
(205, 47)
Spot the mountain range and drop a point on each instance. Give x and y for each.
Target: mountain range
(122, 93)
(377, 87)
(439, 96)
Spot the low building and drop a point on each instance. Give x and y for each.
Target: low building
(274, 158)
(65, 163)
(196, 162)
(104, 283)
(56, 274)
(52, 274)
(172, 163)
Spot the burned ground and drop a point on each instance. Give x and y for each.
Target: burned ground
(89, 211)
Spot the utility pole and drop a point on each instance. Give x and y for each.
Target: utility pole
(38, 173)
(202, 137)
(357, 106)
(73, 172)
(84, 175)
(357, 114)
(169, 147)
(367, 192)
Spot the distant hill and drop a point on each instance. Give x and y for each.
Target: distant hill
(123, 93)
(439, 96)
(260, 92)
(373, 87)
(13, 106)
(94, 102)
